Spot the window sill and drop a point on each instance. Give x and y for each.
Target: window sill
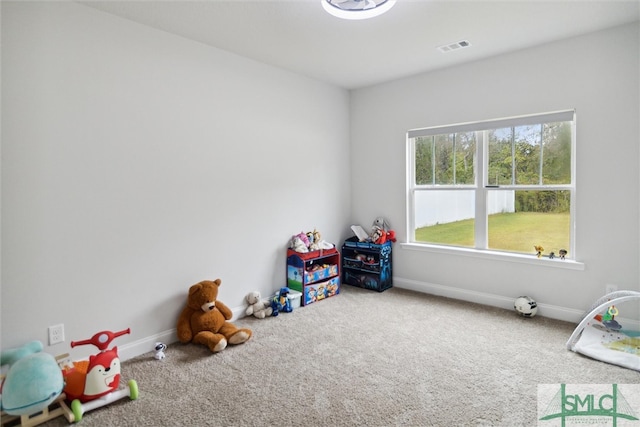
(568, 264)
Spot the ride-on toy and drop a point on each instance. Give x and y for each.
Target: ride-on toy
(93, 383)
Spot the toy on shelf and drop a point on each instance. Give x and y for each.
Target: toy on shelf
(314, 239)
(93, 383)
(539, 250)
(299, 242)
(379, 236)
(309, 242)
(381, 232)
(32, 384)
(562, 253)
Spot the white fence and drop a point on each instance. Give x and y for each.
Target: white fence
(441, 207)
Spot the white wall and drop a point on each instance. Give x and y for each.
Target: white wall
(597, 74)
(136, 163)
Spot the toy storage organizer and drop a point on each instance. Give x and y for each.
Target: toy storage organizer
(366, 265)
(316, 274)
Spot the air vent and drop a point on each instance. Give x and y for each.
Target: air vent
(454, 46)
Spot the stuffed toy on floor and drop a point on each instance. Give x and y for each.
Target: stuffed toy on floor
(257, 307)
(205, 319)
(34, 379)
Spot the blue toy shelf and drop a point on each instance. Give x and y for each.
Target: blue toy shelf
(366, 264)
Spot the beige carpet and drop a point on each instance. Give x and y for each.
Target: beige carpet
(362, 358)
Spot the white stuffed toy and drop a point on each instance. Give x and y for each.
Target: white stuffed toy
(257, 307)
(298, 244)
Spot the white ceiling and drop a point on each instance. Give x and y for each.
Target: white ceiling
(300, 36)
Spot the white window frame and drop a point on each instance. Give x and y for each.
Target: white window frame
(482, 188)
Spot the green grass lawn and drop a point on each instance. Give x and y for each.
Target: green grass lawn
(515, 232)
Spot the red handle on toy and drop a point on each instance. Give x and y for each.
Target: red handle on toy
(102, 339)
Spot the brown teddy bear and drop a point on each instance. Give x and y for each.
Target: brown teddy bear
(204, 319)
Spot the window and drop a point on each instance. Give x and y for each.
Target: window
(502, 185)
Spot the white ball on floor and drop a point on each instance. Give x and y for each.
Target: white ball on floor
(526, 306)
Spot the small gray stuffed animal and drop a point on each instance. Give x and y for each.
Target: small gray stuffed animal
(382, 223)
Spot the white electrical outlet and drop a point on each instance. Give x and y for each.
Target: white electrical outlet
(56, 334)
(610, 288)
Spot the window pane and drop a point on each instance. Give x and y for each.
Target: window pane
(445, 217)
(527, 154)
(465, 154)
(515, 155)
(520, 220)
(556, 142)
(424, 160)
(445, 159)
(500, 171)
(443, 147)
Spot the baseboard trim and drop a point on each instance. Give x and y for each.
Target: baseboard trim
(148, 344)
(546, 310)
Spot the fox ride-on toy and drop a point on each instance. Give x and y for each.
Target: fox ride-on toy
(93, 383)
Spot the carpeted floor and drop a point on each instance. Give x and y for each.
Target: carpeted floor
(362, 358)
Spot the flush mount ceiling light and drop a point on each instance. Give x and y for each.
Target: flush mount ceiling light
(357, 9)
